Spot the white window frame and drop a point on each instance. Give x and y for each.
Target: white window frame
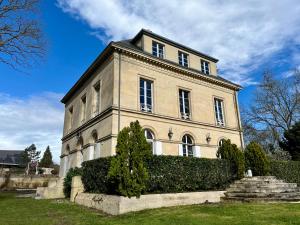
(157, 45)
(205, 68)
(144, 106)
(219, 112)
(150, 141)
(181, 57)
(184, 114)
(186, 146)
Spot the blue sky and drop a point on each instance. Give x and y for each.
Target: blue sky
(247, 40)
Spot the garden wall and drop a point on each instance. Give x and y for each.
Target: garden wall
(18, 182)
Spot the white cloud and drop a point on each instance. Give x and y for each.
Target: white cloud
(34, 119)
(242, 34)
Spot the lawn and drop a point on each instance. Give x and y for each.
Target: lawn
(61, 212)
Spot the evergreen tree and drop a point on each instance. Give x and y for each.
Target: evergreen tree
(46, 161)
(256, 159)
(127, 170)
(231, 153)
(291, 141)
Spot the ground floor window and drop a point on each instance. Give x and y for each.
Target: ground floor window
(150, 138)
(187, 145)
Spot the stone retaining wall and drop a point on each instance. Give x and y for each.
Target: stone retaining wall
(16, 182)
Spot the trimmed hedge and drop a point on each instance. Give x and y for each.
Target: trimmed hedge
(68, 180)
(167, 174)
(288, 171)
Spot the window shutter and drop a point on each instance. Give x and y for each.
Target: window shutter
(158, 148)
(180, 151)
(196, 151)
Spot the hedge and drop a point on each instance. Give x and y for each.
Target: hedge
(288, 171)
(167, 174)
(68, 180)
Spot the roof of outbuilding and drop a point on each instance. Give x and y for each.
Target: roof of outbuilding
(11, 157)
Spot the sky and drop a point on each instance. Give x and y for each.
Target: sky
(248, 38)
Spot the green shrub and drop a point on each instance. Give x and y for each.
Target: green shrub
(288, 171)
(231, 152)
(167, 174)
(256, 159)
(127, 170)
(68, 180)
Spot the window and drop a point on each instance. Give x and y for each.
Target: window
(221, 142)
(219, 112)
(187, 145)
(184, 104)
(157, 49)
(150, 138)
(183, 59)
(146, 95)
(96, 99)
(70, 117)
(205, 67)
(83, 108)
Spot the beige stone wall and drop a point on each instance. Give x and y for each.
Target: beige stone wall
(171, 53)
(104, 75)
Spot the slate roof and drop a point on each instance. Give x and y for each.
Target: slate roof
(11, 157)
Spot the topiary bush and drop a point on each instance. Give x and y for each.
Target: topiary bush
(68, 180)
(288, 171)
(167, 174)
(127, 170)
(256, 159)
(231, 152)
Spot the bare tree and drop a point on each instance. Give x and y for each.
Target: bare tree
(276, 107)
(20, 34)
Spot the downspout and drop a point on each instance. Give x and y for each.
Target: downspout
(239, 119)
(119, 95)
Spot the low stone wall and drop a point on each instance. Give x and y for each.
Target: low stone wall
(16, 182)
(116, 205)
(52, 191)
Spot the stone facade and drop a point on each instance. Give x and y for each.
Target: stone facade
(108, 97)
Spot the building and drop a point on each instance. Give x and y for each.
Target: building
(11, 158)
(174, 92)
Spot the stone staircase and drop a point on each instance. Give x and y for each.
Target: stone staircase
(262, 189)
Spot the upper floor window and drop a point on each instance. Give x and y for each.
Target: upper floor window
(183, 59)
(146, 95)
(83, 108)
(70, 115)
(96, 99)
(219, 111)
(184, 104)
(205, 67)
(157, 49)
(187, 145)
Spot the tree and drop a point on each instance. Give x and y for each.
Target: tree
(275, 108)
(291, 141)
(231, 153)
(46, 161)
(31, 157)
(256, 159)
(20, 35)
(127, 170)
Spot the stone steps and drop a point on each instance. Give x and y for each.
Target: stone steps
(262, 189)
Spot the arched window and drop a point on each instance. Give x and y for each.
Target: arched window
(80, 143)
(187, 145)
(221, 142)
(67, 151)
(150, 138)
(94, 136)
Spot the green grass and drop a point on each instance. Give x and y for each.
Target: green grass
(25, 211)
